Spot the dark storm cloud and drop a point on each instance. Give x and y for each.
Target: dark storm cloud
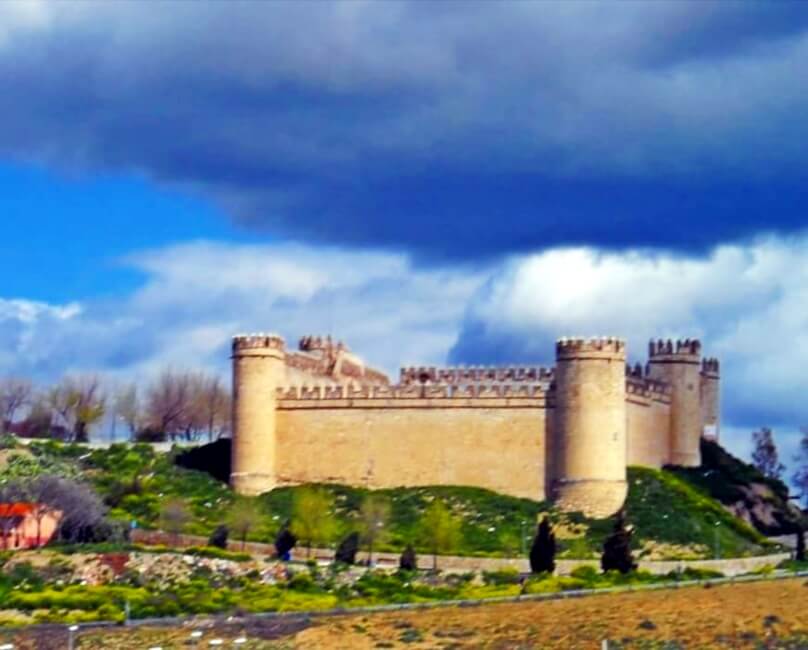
(447, 129)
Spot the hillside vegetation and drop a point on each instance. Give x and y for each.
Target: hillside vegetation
(674, 517)
(759, 500)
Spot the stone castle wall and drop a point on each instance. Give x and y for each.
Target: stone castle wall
(566, 433)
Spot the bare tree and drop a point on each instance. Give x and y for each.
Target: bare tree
(212, 403)
(128, 407)
(78, 403)
(168, 402)
(15, 394)
(764, 454)
(186, 404)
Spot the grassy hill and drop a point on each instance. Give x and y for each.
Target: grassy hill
(675, 517)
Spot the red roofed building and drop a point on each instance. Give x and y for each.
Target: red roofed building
(26, 525)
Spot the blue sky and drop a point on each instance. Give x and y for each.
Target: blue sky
(64, 236)
(435, 182)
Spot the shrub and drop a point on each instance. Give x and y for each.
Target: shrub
(284, 542)
(408, 560)
(347, 549)
(218, 537)
(506, 576)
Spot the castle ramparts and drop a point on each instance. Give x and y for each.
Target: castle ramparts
(568, 432)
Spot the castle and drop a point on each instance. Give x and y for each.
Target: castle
(319, 414)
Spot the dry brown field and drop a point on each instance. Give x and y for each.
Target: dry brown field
(771, 614)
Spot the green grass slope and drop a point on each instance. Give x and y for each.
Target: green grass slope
(674, 518)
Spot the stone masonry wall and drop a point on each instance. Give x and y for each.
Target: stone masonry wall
(501, 448)
(647, 429)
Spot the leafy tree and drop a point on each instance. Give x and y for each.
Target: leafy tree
(764, 455)
(218, 537)
(543, 550)
(243, 517)
(174, 515)
(373, 515)
(347, 549)
(408, 560)
(440, 530)
(800, 478)
(617, 547)
(312, 517)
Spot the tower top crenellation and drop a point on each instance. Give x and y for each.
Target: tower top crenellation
(604, 346)
(683, 348)
(258, 341)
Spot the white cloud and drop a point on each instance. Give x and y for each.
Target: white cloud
(747, 303)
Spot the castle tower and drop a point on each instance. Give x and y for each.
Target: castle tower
(258, 370)
(710, 399)
(590, 426)
(679, 364)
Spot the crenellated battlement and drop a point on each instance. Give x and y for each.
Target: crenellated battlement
(259, 341)
(686, 349)
(601, 347)
(649, 388)
(411, 392)
(710, 367)
(312, 343)
(467, 375)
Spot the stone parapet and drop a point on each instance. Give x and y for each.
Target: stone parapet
(591, 348)
(258, 345)
(680, 351)
(438, 396)
(466, 375)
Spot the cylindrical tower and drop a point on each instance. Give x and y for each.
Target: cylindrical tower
(259, 368)
(679, 364)
(590, 426)
(710, 399)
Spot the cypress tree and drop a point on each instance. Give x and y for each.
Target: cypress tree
(799, 553)
(617, 547)
(408, 560)
(543, 550)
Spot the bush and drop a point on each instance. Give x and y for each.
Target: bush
(408, 560)
(347, 549)
(216, 553)
(218, 537)
(285, 541)
(506, 576)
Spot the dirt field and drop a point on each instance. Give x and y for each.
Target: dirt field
(757, 615)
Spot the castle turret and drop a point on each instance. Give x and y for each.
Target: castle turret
(710, 399)
(590, 425)
(679, 364)
(258, 371)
